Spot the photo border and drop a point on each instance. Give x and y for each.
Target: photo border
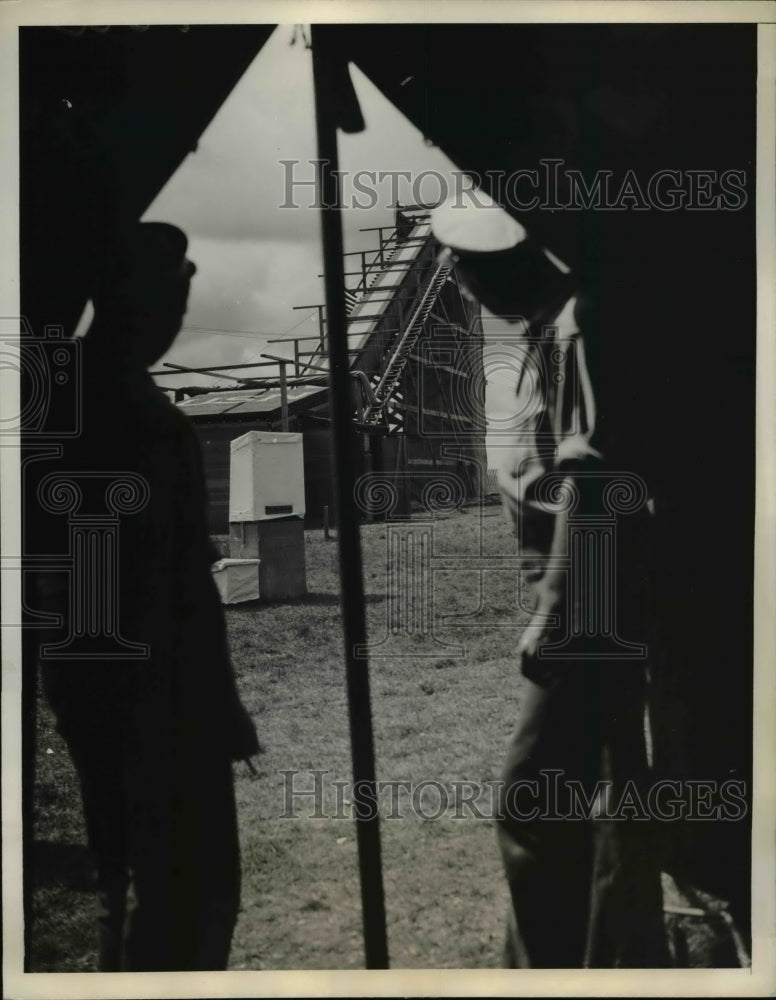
(757, 981)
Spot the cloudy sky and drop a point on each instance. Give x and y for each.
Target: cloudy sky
(255, 259)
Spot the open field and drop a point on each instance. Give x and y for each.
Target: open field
(441, 714)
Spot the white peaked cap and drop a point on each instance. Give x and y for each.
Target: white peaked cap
(472, 221)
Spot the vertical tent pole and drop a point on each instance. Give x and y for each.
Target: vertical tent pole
(348, 532)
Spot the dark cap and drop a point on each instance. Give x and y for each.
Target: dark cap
(142, 253)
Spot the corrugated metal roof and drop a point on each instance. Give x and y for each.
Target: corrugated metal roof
(243, 402)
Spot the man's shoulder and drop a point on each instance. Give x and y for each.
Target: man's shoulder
(129, 420)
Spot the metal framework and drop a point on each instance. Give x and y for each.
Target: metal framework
(379, 404)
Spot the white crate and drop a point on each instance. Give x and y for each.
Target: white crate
(266, 476)
(237, 579)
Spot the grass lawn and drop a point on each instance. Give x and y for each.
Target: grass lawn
(443, 705)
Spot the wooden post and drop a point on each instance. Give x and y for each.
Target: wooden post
(283, 398)
(326, 535)
(321, 324)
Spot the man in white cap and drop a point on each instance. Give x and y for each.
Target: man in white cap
(576, 713)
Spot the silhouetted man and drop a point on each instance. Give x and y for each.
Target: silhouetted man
(581, 717)
(152, 738)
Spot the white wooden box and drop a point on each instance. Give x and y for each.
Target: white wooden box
(237, 579)
(266, 476)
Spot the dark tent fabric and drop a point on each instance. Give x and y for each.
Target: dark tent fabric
(106, 117)
(618, 97)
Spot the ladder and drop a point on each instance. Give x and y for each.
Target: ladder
(387, 384)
